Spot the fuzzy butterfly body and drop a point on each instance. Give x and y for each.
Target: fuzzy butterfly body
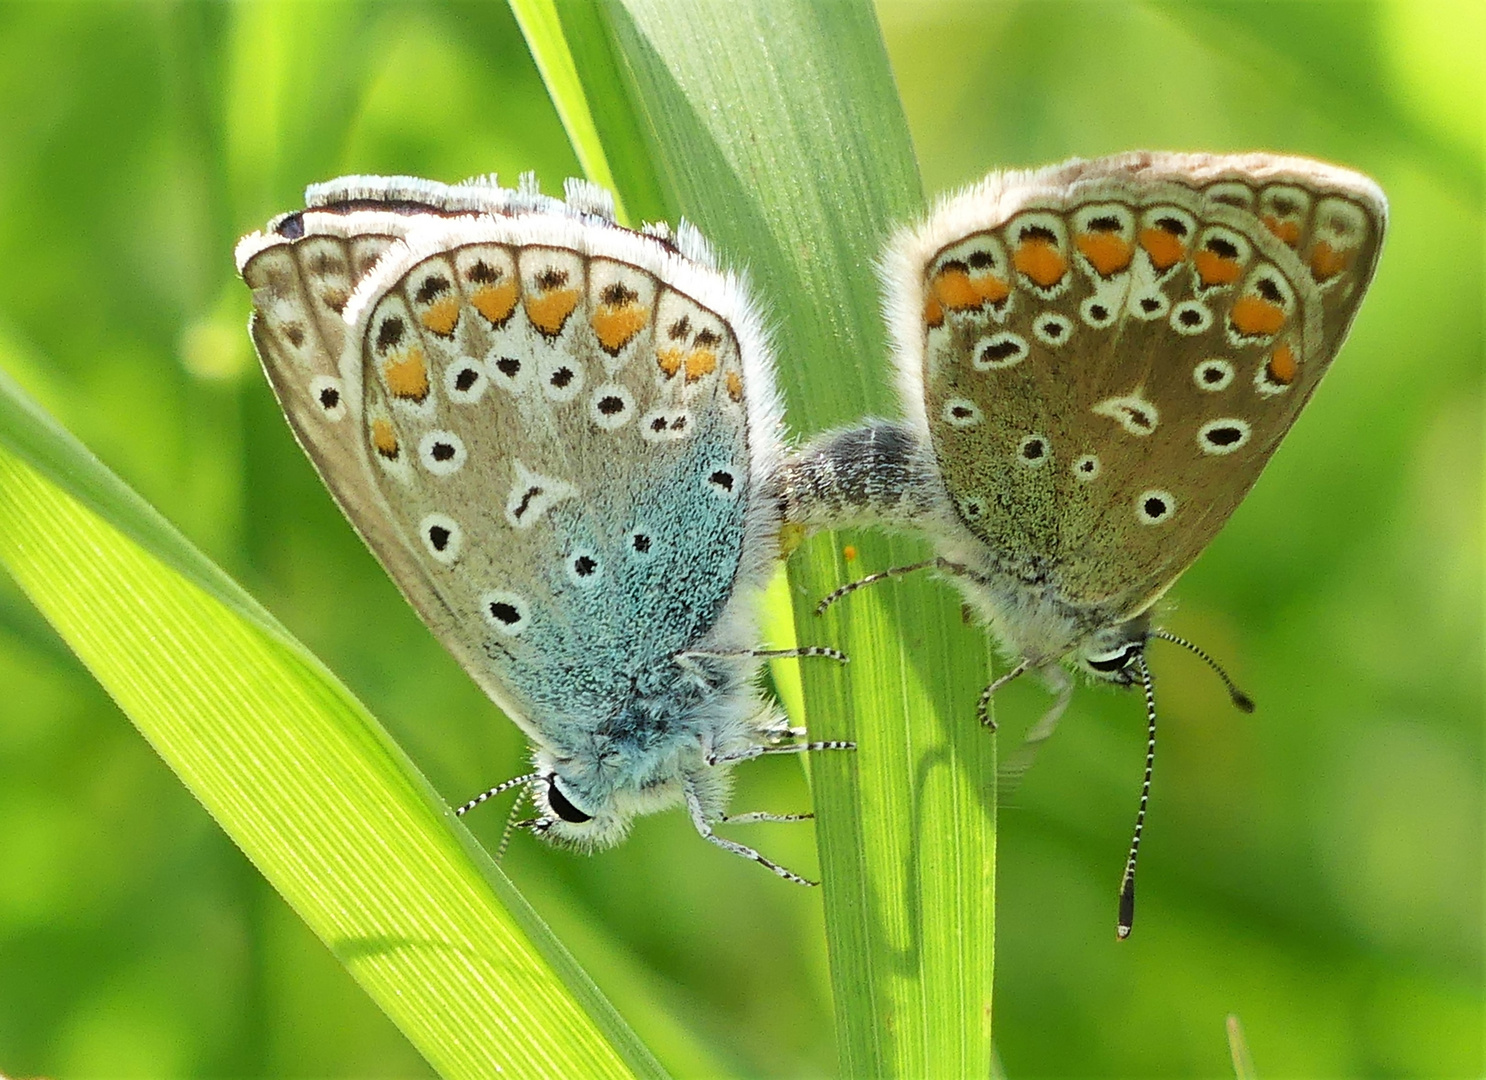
(553, 432)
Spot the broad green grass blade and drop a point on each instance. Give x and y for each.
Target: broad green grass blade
(298, 774)
(777, 129)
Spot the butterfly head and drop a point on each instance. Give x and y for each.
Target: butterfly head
(1110, 654)
(571, 814)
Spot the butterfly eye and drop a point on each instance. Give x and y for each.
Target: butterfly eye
(562, 806)
(1116, 661)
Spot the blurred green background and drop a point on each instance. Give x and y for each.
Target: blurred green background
(1315, 868)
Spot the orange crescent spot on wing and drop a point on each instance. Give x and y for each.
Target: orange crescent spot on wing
(1327, 261)
(1287, 231)
(933, 312)
(669, 360)
(1165, 249)
(1282, 367)
(953, 290)
(1213, 269)
(406, 374)
(615, 325)
(549, 312)
(384, 438)
(441, 316)
(495, 302)
(1254, 316)
(700, 363)
(734, 383)
(1042, 263)
(1108, 253)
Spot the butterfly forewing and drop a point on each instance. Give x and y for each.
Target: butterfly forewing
(561, 437)
(1112, 355)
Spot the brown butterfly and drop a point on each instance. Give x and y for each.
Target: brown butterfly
(1096, 361)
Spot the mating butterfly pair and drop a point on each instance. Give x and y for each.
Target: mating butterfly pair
(562, 437)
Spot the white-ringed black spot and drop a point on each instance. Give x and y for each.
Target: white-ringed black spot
(1223, 436)
(508, 366)
(1032, 452)
(1132, 412)
(1000, 350)
(961, 413)
(433, 286)
(551, 278)
(1052, 329)
(442, 452)
(1154, 506)
(1095, 312)
(1086, 468)
(561, 377)
(722, 480)
(641, 543)
(584, 568)
(504, 611)
(610, 406)
(1213, 375)
(1191, 317)
(442, 537)
(1149, 306)
(326, 392)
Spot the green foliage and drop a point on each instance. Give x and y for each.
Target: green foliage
(1315, 869)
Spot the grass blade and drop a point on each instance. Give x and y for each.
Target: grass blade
(296, 771)
(778, 130)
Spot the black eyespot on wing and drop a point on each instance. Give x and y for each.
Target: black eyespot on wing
(1099, 312)
(562, 807)
(679, 329)
(1155, 506)
(434, 286)
(961, 412)
(642, 543)
(723, 479)
(441, 451)
(1149, 304)
(1269, 290)
(678, 424)
(658, 424)
(584, 565)
(611, 405)
(508, 366)
(551, 278)
(295, 333)
(1038, 232)
(1171, 225)
(979, 260)
(1212, 374)
(1223, 249)
(561, 377)
(504, 612)
(1190, 317)
(1000, 350)
(1223, 436)
(618, 294)
(706, 338)
(482, 273)
(438, 536)
(1052, 329)
(330, 397)
(1087, 465)
(465, 379)
(1033, 449)
(525, 503)
(390, 332)
(1104, 224)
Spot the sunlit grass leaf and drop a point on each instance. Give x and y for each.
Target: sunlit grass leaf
(778, 130)
(297, 773)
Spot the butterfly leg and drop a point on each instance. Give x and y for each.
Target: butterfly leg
(751, 752)
(768, 654)
(983, 706)
(704, 827)
(755, 816)
(897, 571)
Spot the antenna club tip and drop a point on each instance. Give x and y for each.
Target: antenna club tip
(1122, 932)
(1242, 701)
